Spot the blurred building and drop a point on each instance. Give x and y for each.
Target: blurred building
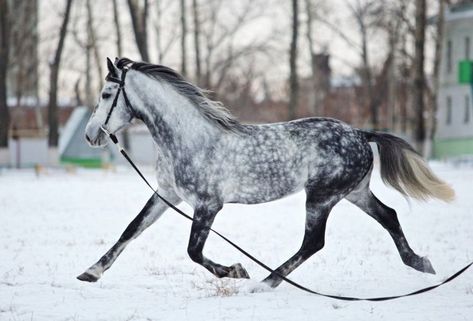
(454, 135)
(29, 147)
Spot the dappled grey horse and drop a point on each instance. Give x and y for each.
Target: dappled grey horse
(206, 158)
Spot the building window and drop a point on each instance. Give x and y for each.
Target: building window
(448, 118)
(449, 56)
(466, 118)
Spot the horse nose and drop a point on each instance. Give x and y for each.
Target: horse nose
(87, 138)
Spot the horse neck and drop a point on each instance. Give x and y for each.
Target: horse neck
(173, 121)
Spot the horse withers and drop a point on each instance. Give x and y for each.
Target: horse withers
(207, 158)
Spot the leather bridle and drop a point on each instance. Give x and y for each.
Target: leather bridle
(121, 89)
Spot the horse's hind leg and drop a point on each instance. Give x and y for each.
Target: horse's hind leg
(317, 211)
(153, 210)
(387, 217)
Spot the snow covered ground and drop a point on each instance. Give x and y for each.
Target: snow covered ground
(53, 227)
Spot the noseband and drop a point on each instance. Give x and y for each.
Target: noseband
(121, 88)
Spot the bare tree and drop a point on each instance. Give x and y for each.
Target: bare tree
(218, 38)
(293, 78)
(118, 36)
(315, 108)
(53, 138)
(163, 44)
(198, 67)
(419, 76)
(183, 38)
(86, 46)
(23, 61)
(391, 23)
(366, 14)
(93, 43)
(89, 43)
(431, 125)
(404, 85)
(139, 19)
(118, 32)
(319, 62)
(77, 93)
(4, 54)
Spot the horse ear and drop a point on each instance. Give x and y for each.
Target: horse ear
(111, 67)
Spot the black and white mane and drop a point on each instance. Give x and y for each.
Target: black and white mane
(212, 110)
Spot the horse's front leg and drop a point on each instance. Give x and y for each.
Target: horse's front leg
(153, 210)
(204, 216)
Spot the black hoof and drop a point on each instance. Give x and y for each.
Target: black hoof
(427, 266)
(422, 264)
(237, 271)
(87, 277)
(271, 281)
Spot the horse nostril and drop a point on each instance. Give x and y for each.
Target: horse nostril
(87, 138)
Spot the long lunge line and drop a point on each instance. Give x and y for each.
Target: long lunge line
(266, 267)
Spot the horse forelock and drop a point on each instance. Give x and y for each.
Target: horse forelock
(213, 111)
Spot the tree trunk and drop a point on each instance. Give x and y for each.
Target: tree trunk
(419, 81)
(79, 101)
(94, 43)
(118, 35)
(89, 101)
(183, 39)
(391, 84)
(368, 79)
(139, 18)
(404, 86)
(118, 32)
(392, 79)
(293, 79)
(53, 138)
(315, 107)
(4, 60)
(432, 123)
(4, 54)
(198, 67)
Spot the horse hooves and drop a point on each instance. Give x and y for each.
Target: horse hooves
(237, 271)
(271, 281)
(427, 266)
(422, 264)
(87, 277)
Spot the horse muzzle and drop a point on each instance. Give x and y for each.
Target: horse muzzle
(96, 138)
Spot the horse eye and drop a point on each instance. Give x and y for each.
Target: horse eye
(106, 95)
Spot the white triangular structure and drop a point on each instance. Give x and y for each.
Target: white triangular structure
(73, 147)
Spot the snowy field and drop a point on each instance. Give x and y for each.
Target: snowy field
(54, 227)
